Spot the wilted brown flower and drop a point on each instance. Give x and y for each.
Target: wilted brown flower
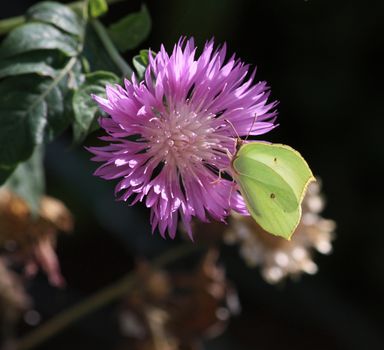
(276, 256)
(31, 240)
(144, 315)
(173, 311)
(204, 308)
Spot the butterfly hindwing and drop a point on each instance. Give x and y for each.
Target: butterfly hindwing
(272, 179)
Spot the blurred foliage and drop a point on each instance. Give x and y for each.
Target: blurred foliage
(131, 30)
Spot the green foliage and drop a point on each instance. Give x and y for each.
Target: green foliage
(140, 62)
(56, 14)
(28, 180)
(31, 107)
(97, 8)
(37, 36)
(9, 68)
(272, 179)
(43, 63)
(85, 109)
(50, 65)
(95, 54)
(131, 31)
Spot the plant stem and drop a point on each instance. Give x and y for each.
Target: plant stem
(125, 69)
(8, 24)
(98, 300)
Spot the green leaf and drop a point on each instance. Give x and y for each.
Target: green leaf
(97, 8)
(95, 53)
(59, 15)
(58, 118)
(46, 63)
(28, 180)
(26, 66)
(22, 117)
(131, 31)
(140, 62)
(84, 107)
(37, 36)
(42, 64)
(273, 179)
(31, 111)
(5, 172)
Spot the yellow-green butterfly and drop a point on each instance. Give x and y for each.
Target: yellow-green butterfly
(273, 179)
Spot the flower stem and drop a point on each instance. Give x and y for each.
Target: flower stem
(98, 300)
(125, 69)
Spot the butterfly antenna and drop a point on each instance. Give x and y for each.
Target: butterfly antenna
(250, 129)
(233, 127)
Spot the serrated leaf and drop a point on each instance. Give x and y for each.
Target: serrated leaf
(85, 109)
(59, 15)
(97, 8)
(140, 62)
(37, 36)
(27, 181)
(131, 31)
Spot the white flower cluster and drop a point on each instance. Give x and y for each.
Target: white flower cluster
(278, 257)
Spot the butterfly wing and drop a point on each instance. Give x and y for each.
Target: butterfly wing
(272, 180)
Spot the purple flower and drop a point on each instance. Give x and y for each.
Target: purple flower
(169, 135)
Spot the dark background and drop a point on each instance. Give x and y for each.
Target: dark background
(323, 60)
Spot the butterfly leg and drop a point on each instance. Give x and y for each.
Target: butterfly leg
(233, 188)
(214, 182)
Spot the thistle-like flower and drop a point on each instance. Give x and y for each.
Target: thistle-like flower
(170, 134)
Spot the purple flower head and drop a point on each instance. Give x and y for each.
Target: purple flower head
(169, 135)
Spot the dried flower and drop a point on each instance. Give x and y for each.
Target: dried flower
(205, 309)
(174, 311)
(170, 134)
(32, 240)
(144, 315)
(278, 257)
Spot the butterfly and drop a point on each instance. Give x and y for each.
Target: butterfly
(272, 179)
